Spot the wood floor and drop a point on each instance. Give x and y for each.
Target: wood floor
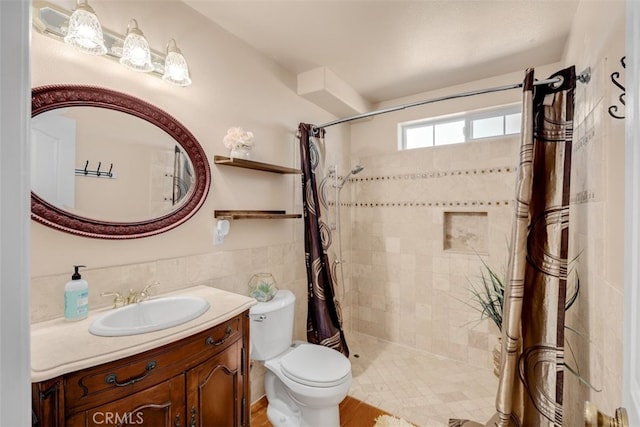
(353, 413)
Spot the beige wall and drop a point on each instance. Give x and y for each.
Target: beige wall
(597, 208)
(410, 284)
(400, 283)
(232, 86)
(408, 288)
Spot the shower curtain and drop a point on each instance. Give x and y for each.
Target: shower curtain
(531, 376)
(324, 319)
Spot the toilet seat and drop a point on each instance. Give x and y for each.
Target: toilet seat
(315, 365)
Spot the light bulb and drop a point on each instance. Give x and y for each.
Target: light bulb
(176, 70)
(136, 54)
(85, 31)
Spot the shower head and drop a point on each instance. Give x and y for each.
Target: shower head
(356, 170)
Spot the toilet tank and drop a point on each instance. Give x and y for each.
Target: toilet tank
(272, 325)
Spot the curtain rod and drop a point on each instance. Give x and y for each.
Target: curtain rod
(583, 77)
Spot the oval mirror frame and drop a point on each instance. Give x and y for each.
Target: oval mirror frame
(45, 98)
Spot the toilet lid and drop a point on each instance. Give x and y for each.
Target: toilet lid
(315, 365)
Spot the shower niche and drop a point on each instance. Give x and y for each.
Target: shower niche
(466, 232)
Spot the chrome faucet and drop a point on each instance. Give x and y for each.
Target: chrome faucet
(132, 298)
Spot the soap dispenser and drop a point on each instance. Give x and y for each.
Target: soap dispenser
(76, 297)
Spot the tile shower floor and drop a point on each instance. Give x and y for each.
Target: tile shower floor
(420, 387)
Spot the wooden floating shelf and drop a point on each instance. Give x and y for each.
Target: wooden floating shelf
(243, 214)
(250, 164)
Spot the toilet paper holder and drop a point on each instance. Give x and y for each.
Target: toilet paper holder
(222, 229)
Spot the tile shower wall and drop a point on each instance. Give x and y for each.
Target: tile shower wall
(596, 224)
(423, 221)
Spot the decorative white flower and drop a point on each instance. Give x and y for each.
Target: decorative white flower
(237, 137)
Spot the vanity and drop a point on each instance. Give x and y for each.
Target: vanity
(193, 374)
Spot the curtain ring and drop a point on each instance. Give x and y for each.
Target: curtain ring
(557, 84)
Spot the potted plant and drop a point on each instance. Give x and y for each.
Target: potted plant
(487, 297)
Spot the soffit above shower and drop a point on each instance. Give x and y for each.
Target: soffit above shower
(386, 50)
(325, 89)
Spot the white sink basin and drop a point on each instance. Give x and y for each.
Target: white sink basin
(148, 316)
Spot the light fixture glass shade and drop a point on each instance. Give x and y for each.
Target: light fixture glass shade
(136, 54)
(176, 70)
(85, 31)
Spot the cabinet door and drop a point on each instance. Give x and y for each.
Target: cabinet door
(215, 390)
(48, 403)
(160, 406)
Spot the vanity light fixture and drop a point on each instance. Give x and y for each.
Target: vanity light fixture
(136, 54)
(132, 50)
(176, 70)
(84, 31)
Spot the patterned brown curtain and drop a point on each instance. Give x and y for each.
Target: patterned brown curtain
(531, 375)
(324, 320)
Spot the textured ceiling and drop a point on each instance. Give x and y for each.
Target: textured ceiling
(389, 49)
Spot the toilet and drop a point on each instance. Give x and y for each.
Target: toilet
(304, 382)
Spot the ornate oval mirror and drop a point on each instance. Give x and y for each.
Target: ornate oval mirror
(108, 165)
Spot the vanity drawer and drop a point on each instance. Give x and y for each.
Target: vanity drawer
(114, 380)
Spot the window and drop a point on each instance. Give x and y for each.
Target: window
(461, 128)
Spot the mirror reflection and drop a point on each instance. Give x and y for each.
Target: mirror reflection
(107, 165)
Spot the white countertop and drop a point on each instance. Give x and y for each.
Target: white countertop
(59, 347)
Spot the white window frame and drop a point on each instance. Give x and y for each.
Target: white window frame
(468, 118)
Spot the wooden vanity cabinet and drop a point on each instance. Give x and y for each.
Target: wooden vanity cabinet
(199, 381)
(159, 405)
